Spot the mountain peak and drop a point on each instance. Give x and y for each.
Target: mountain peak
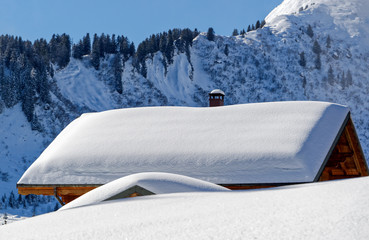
(342, 19)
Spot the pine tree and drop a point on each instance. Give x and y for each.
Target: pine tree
(249, 28)
(56, 207)
(187, 36)
(132, 49)
(77, 50)
(117, 66)
(124, 48)
(42, 84)
(170, 48)
(163, 43)
(86, 44)
(262, 23)
(141, 52)
(318, 63)
(309, 31)
(195, 33)
(102, 45)
(330, 76)
(304, 82)
(11, 200)
(226, 50)
(41, 49)
(113, 45)
(235, 32)
(349, 80)
(95, 58)
(316, 47)
(210, 34)
(302, 60)
(328, 42)
(257, 25)
(28, 97)
(64, 52)
(3, 83)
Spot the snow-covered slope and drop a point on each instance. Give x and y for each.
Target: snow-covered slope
(19, 144)
(329, 210)
(281, 61)
(344, 19)
(79, 84)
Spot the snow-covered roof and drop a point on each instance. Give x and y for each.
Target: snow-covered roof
(157, 183)
(217, 91)
(277, 142)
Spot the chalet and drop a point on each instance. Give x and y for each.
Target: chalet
(239, 146)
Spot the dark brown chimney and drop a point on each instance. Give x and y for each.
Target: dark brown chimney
(216, 98)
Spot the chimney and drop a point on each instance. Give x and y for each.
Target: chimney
(216, 98)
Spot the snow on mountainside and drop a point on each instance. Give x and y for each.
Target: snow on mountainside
(308, 50)
(348, 17)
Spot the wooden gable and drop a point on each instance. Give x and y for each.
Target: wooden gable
(346, 159)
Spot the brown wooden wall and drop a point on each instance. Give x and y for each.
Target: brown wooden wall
(66, 193)
(347, 159)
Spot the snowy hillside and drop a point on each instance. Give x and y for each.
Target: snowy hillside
(326, 210)
(308, 50)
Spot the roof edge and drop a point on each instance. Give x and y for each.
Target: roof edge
(58, 185)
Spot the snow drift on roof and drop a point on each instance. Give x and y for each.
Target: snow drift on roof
(249, 143)
(217, 91)
(158, 183)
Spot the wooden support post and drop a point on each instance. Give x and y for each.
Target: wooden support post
(57, 197)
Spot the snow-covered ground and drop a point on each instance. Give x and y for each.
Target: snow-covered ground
(325, 210)
(6, 218)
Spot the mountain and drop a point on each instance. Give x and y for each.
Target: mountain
(307, 50)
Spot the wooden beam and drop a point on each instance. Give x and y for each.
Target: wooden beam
(74, 190)
(352, 172)
(57, 197)
(337, 172)
(50, 190)
(36, 190)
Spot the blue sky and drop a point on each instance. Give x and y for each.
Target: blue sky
(33, 19)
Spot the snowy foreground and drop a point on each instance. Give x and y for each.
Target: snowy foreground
(326, 210)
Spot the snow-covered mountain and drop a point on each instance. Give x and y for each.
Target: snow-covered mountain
(308, 50)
